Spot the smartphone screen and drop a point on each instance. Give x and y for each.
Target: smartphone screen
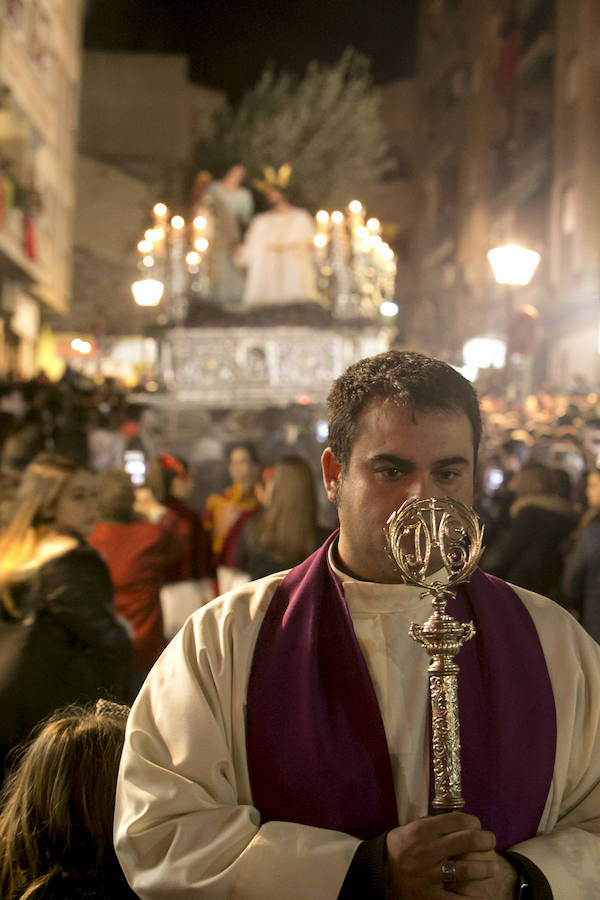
(135, 466)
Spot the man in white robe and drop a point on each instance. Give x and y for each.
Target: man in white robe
(186, 820)
(278, 253)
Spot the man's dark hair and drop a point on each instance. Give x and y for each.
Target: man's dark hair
(416, 382)
(243, 445)
(135, 410)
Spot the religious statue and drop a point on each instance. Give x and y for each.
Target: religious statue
(228, 207)
(278, 248)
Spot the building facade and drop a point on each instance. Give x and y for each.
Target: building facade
(40, 71)
(141, 113)
(394, 201)
(510, 153)
(140, 119)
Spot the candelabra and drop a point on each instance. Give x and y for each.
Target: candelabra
(357, 269)
(174, 263)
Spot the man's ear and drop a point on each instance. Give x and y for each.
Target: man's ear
(331, 474)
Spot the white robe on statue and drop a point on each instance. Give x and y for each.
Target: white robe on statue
(278, 253)
(185, 823)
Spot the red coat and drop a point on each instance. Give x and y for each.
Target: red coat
(138, 556)
(196, 561)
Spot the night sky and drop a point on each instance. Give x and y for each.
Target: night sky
(230, 41)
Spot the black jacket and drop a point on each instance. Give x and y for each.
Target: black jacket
(75, 650)
(581, 578)
(529, 552)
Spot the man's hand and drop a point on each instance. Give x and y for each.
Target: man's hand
(501, 887)
(415, 854)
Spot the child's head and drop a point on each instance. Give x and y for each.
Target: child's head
(58, 804)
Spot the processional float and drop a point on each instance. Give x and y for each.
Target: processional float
(440, 538)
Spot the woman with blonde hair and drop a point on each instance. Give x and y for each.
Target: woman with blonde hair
(57, 810)
(287, 530)
(60, 641)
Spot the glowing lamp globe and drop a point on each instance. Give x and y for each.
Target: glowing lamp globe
(512, 264)
(388, 309)
(147, 292)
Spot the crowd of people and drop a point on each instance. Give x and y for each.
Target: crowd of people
(100, 568)
(535, 494)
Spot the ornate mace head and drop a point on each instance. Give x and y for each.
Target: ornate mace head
(425, 537)
(435, 535)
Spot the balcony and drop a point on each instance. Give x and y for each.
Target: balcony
(512, 166)
(540, 24)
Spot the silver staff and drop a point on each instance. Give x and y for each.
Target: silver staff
(439, 538)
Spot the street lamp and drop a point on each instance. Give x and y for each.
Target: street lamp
(147, 291)
(513, 266)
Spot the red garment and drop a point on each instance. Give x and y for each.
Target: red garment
(196, 561)
(507, 64)
(29, 241)
(139, 555)
(227, 557)
(129, 429)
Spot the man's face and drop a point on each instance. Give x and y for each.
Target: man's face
(394, 459)
(241, 468)
(273, 196)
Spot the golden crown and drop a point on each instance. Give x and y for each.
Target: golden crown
(273, 178)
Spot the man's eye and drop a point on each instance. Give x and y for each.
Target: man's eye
(448, 475)
(390, 472)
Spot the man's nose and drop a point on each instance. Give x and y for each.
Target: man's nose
(420, 486)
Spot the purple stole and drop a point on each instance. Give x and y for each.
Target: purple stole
(317, 750)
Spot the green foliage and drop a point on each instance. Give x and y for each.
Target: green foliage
(326, 125)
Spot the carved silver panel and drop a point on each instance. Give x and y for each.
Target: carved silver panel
(260, 366)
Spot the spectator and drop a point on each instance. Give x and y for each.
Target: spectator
(9, 485)
(170, 481)
(581, 577)
(286, 531)
(106, 444)
(13, 408)
(24, 440)
(49, 573)
(146, 434)
(140, 540)
(528, 552)
(57, 810)
(70, 435)
(223, 510)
